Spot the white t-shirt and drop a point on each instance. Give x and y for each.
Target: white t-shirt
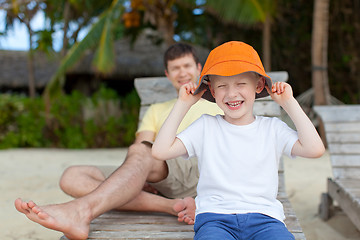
(238, 164)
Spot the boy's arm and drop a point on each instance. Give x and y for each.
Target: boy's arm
(166, 145)
(309, 143)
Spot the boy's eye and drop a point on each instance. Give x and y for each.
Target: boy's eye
(220, 86)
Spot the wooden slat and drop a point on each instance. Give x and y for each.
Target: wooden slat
(344, 149)
(345, 160)
(118, 225)
(154, 89)
(346, 172)
(351, 187)
(343, 137)
(339, 113)
(278, 76)
(266, 108)
(341, 127)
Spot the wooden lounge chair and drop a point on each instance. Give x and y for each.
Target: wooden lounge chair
(118, 225)
(342, 128)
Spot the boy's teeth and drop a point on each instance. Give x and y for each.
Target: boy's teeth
(234, 103)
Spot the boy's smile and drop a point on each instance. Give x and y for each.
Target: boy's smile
(235, 104)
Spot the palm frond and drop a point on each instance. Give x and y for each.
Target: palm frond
(104, 59)
(242, 11)
(73, 55)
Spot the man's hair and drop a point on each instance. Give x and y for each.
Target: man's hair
(179, 50)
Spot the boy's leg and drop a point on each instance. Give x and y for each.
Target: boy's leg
(259, 227)
(215, 226)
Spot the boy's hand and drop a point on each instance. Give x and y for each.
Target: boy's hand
(186, 93)
(280, 92)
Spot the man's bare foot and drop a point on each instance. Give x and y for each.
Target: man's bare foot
(186, 210)
(67, 218)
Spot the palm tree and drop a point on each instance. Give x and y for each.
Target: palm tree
(24, 13)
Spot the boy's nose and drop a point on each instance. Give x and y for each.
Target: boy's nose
(232, 92)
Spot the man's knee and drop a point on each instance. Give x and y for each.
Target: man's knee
(139, 152)
(76, 173)
(142, 153)
(67, 177)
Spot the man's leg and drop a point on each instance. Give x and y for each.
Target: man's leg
(80, 180)
(125, 184)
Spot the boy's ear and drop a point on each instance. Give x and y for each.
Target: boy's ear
(211, 89)
(260, 85)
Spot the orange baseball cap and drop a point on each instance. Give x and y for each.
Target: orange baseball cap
(230, 59)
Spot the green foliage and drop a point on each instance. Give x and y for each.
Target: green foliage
(102, 121)
(131, 104)
(21, 122)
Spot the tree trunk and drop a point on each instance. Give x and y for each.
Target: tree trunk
(166, 28)
(266, 44)
(160, 13)
(66, 17)
(30, 65)
(319, 54)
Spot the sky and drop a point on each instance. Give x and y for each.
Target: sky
(17, 39)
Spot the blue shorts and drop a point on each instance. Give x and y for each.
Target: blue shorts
(250, 226)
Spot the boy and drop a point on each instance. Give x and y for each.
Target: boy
(238, 153)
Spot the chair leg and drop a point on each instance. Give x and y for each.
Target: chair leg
(325, 206)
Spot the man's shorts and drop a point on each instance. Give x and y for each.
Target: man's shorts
(181, 181)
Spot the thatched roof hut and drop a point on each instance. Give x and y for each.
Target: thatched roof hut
(14, 69)
(142, 59)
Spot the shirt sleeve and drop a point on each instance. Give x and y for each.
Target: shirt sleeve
(148, 121)
(191, 137)
(287, 137)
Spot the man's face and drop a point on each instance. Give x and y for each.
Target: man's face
(182, 70)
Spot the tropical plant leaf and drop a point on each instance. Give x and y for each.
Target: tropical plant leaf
(76, 52)
(242, 11)
(104, 59)
(93, 37)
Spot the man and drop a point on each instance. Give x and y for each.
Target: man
(123, 189)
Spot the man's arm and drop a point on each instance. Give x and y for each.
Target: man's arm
(309, 143)
(145, 136)
(167, 145)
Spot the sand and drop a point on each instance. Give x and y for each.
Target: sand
(34, 174)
